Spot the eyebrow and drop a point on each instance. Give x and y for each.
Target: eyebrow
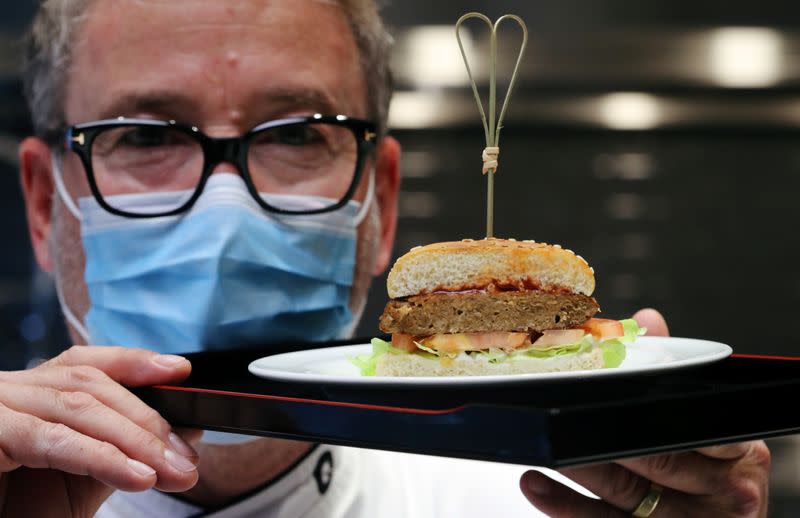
(303, 98)
(176, 105)
(156, 101)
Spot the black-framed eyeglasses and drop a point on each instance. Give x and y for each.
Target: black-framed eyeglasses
(322, 156)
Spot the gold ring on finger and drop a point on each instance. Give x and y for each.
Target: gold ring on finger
(649, 502)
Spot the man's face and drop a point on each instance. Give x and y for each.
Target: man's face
(224, 67)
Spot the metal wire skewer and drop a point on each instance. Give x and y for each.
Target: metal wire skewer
(492, 128)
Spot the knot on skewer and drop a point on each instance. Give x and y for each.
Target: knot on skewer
(490, 155)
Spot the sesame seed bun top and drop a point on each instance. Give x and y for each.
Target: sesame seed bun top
(471, 264)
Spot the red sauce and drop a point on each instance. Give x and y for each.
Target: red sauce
(499, 287)
(459, 292)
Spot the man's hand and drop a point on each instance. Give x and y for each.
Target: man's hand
(70, 432)
(721, 481)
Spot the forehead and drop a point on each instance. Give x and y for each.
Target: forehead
(211, 57)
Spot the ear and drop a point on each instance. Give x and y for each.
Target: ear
(387, 187)
(37, 188)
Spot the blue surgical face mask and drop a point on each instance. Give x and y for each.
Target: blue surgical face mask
(224, 274)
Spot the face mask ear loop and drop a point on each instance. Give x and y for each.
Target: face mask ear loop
(362, 211)
(62, 190)
(70, 316)
(70, 204)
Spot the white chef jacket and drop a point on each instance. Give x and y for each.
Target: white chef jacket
(339, 482)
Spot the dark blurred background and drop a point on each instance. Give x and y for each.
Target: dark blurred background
(660, 140)
(657, 139)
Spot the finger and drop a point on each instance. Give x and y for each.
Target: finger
(688, 472)
(30, 441)
(653, 321)
(745, 492)
(127, 366)
(625, 490)
(84, 414)
(189, 435)
(613, 483)
(729, 451)
(84, 378)
(559, 501)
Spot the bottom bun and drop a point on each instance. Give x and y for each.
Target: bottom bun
(479, 365)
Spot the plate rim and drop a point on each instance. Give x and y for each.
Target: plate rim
(723, 351)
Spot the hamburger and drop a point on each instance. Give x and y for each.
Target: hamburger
(493, 306)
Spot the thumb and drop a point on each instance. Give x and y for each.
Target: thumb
(653, 321)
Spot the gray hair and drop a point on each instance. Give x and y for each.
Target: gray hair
(57, 23)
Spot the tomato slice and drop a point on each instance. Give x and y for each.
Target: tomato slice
(556, 337)
(404, 342)
(458, 342)
(603, 328)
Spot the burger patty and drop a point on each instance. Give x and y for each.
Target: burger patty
(472, 312)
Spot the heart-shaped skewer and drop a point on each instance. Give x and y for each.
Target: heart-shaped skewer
(492, 126)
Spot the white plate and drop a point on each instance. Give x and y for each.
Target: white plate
(332, 365)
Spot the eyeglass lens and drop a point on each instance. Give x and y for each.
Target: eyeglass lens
(284, 162)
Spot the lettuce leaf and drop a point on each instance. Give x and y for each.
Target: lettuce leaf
(552, 352)
(631, 329)
(494, 355)
(614, 350)
(434, 353)
(368, 362)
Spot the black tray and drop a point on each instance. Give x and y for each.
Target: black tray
(554, 424)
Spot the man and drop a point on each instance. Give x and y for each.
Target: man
(259, 215)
